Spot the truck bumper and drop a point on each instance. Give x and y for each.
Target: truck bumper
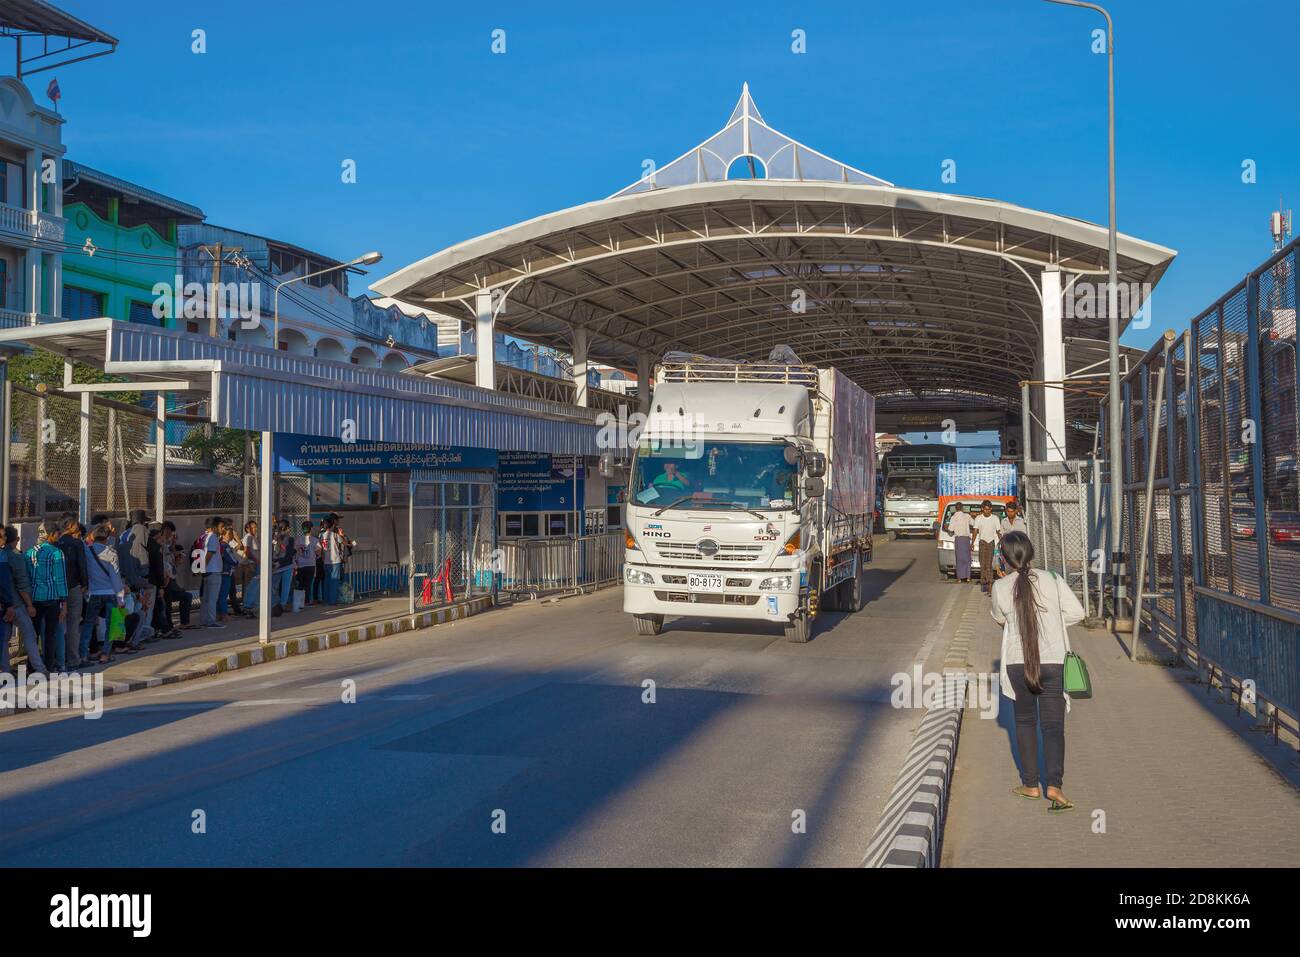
(910, 525)
(671, 596)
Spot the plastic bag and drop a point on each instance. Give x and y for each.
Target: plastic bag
(116, 624)
(299, 598)
(346, 596)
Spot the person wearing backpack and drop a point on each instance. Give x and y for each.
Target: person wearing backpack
(1035, 609)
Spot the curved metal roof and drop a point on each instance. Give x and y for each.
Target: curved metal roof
(917, 295)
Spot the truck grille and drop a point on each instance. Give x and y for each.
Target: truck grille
(706, 598)
(687, 552)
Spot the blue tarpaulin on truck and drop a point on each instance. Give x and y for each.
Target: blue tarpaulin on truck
(977, 478)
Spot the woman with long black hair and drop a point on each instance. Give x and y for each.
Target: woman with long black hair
(1035, 608)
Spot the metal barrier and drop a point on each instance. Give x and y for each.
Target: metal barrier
(1212, 438)
(365, 574)
(538, 565)
(1060, 519)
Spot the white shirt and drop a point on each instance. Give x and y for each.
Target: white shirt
(960, 523)
(987, 527)
(332, 543)
(210, 547)
(309, 548)
(1058, 608)
(250, 547)
(1018, 525)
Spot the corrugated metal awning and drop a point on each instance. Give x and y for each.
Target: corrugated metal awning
(265, 390)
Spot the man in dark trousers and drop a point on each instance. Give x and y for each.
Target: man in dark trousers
(74, 566)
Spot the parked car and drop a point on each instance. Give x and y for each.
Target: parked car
(1243, 521)
(1284, 528)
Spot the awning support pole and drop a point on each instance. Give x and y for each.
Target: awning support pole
(160, 455)
(410, 544)
(6, 422)
(264, 555)
(83, 482)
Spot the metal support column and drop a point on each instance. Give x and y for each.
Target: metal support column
(1155, 410)
(410, 543)
(160, 457)
(484, 343)
(1255, 398)
(6, 424)
(265, 565)
(83, 482)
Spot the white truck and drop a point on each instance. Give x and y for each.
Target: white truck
(750, 495)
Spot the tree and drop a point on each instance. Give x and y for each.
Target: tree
(219, 447)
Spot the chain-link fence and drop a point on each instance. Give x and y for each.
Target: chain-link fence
(1220, 562)
(45, 460)
(1058, 514)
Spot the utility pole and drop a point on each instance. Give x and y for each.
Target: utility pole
(217, 253)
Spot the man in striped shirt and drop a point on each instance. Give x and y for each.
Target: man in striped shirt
(49, 593)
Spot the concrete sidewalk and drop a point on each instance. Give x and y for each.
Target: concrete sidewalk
(206, 651)
(1161, 773)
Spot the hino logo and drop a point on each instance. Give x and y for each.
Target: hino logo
(708, 548)
(103, 910)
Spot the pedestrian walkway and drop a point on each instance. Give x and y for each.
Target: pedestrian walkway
(1161, 774)
(198, 650)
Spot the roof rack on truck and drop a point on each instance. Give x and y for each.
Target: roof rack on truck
(719, 370)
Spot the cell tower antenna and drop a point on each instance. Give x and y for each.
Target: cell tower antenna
(1280, 226)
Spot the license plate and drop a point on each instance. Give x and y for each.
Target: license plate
(704, 582)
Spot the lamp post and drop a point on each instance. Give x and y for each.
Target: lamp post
(1113, 410)
(366, 259)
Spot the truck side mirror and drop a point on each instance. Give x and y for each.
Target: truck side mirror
(814, 465)
(814, 486)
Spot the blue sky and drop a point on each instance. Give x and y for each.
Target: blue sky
(451, 141)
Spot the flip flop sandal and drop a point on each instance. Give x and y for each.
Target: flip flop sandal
(1020, 791)
(1058, 807)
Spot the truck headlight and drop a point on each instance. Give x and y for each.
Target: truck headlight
(637, 577)
(776, 583)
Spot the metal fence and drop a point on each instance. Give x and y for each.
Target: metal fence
(1060, 516)
(536, 566)
(1211, 437)
(45, 460)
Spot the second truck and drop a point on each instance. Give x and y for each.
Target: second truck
(751, 495)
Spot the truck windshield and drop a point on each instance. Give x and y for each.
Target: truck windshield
(910, 488)
(714, 475)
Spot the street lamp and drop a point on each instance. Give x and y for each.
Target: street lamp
(365, 259)
(1113, 402)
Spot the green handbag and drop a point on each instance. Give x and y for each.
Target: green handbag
(1075, 672)
(1077, 682)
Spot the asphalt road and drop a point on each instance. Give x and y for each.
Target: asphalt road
(531, 716)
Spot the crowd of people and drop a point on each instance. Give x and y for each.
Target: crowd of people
(80, 596)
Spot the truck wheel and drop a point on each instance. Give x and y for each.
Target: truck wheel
(831, 598)
(799, 630)
(856, 590)
(649, 624)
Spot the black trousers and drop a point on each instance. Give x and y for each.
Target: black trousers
(306, 578)
(174, 592)
(1045, 712)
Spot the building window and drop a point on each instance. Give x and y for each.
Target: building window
(142, 313)
(4, 284)
(82, 303)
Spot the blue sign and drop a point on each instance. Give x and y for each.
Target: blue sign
(538, 482)
(310, 453)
